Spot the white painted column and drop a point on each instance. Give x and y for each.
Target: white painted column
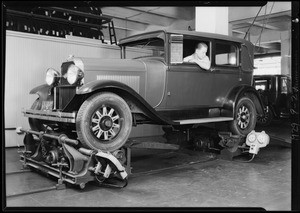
(286, 51)
(212, 20)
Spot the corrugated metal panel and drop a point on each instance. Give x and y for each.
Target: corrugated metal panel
(28, 56)
(132, 81)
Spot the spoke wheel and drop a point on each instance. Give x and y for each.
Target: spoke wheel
(245, 117)
(104, 122)
(266, 119)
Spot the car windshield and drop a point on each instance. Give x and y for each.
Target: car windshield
(151, 47)
(261, 84)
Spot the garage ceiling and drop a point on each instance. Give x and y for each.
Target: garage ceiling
(135, 19)
(265, 31)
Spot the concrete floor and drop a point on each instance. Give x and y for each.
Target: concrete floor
(212, 182)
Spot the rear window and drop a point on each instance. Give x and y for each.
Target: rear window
(226, 54)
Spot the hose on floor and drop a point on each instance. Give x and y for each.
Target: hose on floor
(246, 161)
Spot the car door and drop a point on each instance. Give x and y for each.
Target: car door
(225, 69)
(188, 85)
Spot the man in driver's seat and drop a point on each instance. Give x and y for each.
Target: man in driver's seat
(199, 56)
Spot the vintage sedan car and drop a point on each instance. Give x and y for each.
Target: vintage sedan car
(275, 92)
(97, 101)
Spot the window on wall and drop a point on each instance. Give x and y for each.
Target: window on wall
(267, 66)
(226, 54)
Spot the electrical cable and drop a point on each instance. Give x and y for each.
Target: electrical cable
(247, 161)
(253, 22)
(264, 25)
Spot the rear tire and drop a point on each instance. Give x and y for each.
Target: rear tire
(244, 117)
(104, 122)
(267, 119)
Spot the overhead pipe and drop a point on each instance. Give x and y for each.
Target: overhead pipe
(57, 20)
(79, 13)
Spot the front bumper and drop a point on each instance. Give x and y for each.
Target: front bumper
(67, 117)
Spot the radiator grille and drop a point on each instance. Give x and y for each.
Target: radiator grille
(64, 69)
(65, 95)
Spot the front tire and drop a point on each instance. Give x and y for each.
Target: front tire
(244, 117)
(104, 122)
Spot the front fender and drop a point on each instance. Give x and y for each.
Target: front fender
(96, 85)
(120, 89)
(42, 91)
(236, 93)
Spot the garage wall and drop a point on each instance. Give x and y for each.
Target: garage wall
(27, 58)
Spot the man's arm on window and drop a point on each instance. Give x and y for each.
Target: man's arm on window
(205, 63)
(187, 59)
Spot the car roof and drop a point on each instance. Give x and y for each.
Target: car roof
(183, 32)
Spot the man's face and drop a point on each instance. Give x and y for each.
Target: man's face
(201, 52)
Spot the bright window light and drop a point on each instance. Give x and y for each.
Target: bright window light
(267, 66)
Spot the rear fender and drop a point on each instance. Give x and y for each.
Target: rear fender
(238, 92)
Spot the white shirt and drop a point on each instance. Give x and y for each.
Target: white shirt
(203, 63)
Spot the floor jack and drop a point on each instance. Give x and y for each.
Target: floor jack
(230, 145)
(76, 166)
(235, 145)
(60, 182)
(82, 167)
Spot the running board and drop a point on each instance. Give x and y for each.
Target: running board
(204, 120)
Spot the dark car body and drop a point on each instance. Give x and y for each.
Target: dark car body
(84, 115)
(275, 91)
(156, 86)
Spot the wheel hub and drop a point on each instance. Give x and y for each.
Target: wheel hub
(105, 123)
(243, 117)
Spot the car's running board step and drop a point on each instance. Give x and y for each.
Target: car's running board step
(204, 120)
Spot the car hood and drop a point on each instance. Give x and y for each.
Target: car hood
(146, 76)
(113, 65)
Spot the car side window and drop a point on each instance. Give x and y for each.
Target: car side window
(226, 54)
(189, 46)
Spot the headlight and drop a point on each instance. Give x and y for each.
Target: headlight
(52, 76)
(74, 74)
